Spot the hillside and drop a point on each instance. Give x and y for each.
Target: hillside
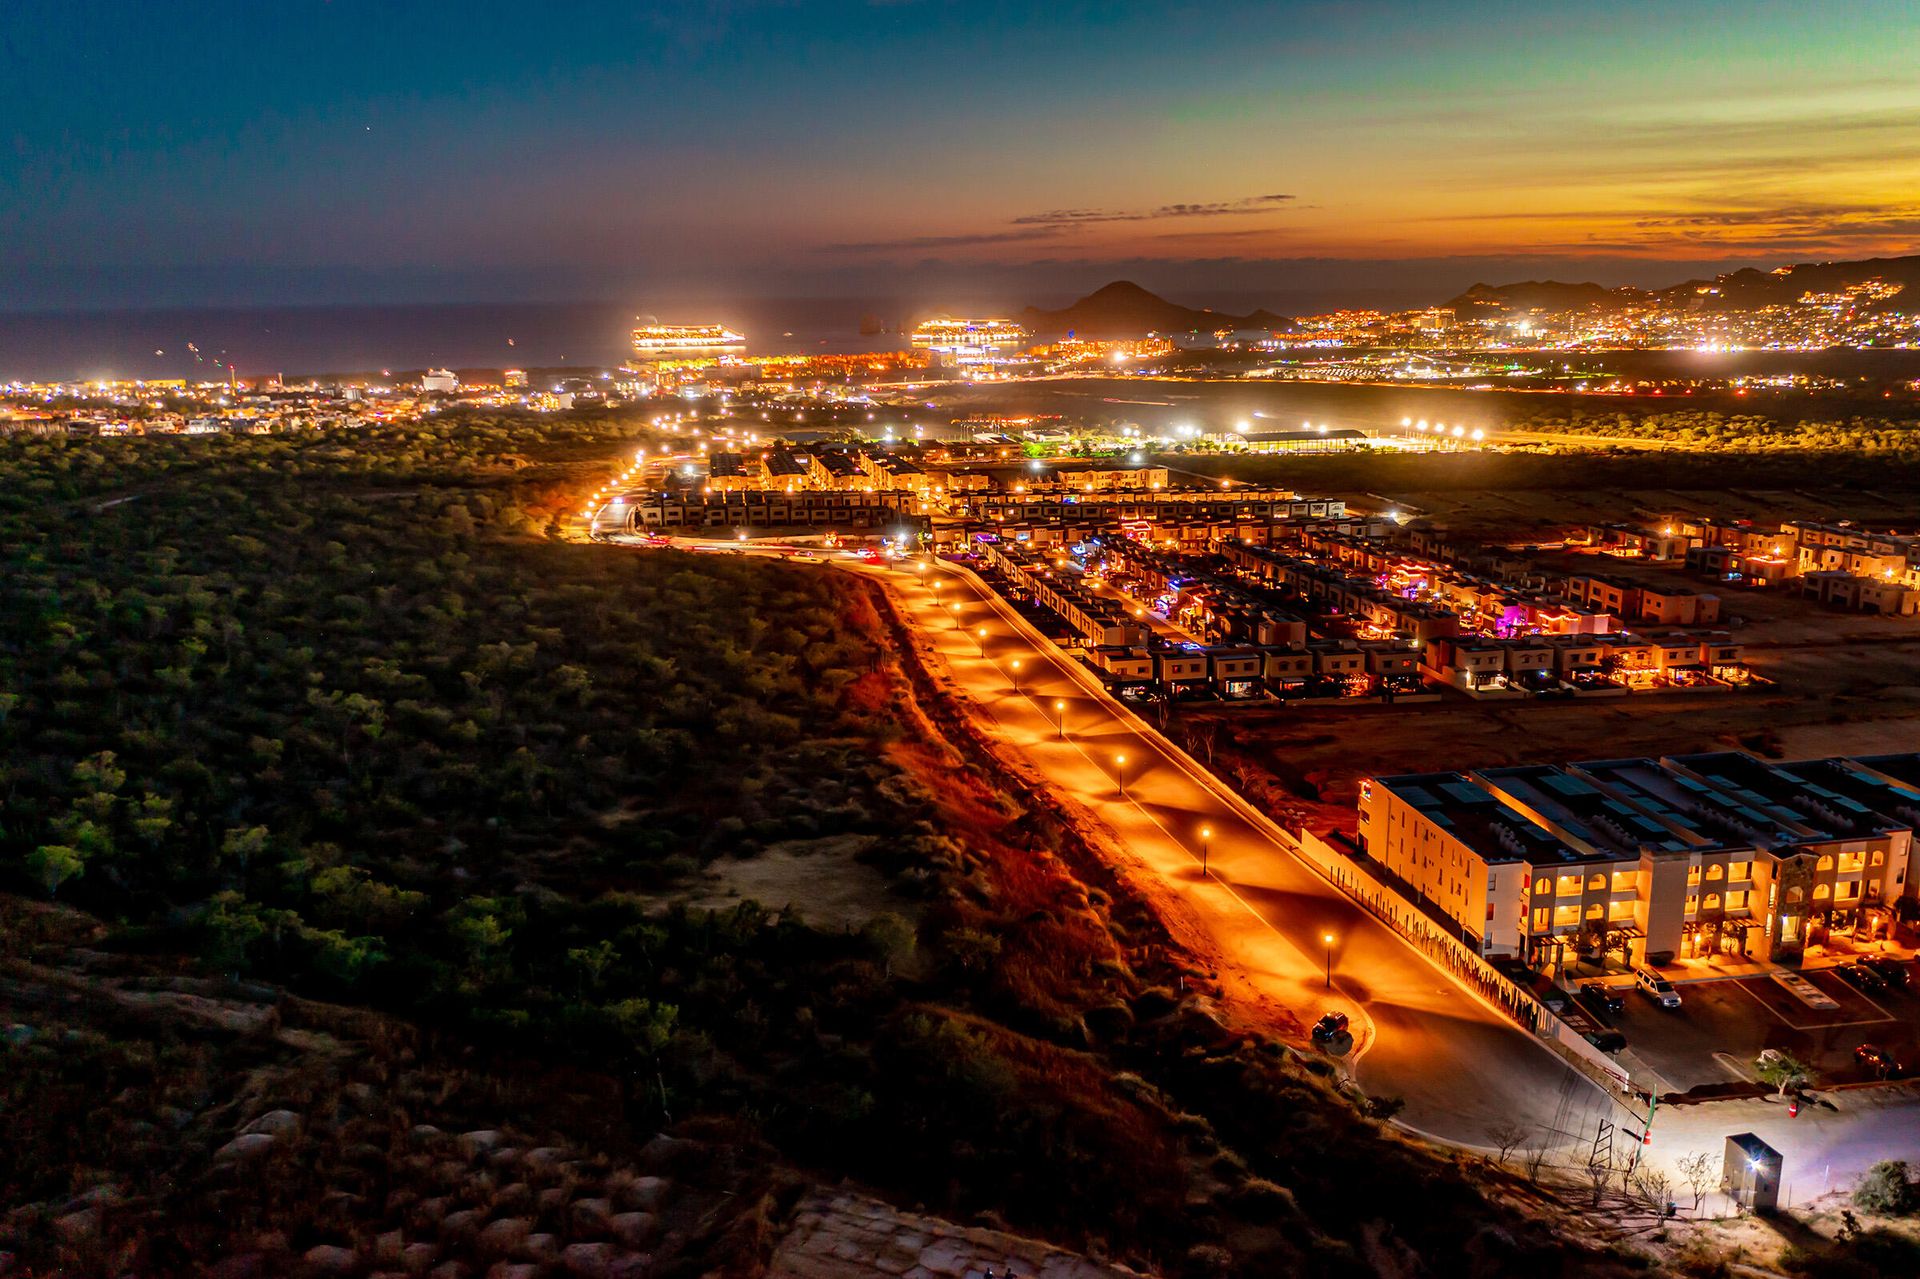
(1124, 309)
(1743, 290)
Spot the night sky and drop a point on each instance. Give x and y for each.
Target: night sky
(299, 151)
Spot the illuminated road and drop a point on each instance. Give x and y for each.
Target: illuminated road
(1459, 1065)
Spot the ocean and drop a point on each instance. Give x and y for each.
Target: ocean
(301, 340)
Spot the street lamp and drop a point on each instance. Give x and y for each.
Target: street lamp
(1120, 772)
(1060, 720)
(1206, 843)
(980, 638)
(1016, 677)
(1328, 938)
(956, 615)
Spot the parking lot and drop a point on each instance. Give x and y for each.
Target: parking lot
(1722, 1026)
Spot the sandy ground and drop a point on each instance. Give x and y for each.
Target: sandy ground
(823, 879)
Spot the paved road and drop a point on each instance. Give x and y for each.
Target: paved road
(1459, 1064)
(1826, 1148)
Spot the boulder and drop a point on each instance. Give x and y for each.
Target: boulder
(589, 1260)
(540, 1247)
(451, 1270)
(246, 1146)
(500, 1238)
(591, 1214)
(276, 1122)
(459, 1225)
(632, 1228)
(513, 1270)
(388, 1247)
(480, 1141)
(643, 1194)
(330, 1259)
(415, 1258)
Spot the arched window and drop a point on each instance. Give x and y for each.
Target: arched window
(1598, 881)
(1713, 901)
(1820, 892)
(1794, 894)
(1825, 863)
(1716, 871)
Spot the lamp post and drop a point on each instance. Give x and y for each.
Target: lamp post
(1016, 677)
(980, 638)
(1328, 938)
(1060, 720)
(1120, 773)
(955, 610)
(1206, 843)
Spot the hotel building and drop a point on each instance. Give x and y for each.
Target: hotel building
(1682, 856)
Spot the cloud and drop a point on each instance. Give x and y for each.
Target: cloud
(947, 241)
(1206, 209)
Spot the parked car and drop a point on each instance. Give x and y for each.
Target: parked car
(806, 556)
(1330, 1027)
(1608, 1041)
(1602, 999)
(1879, 1062)
(1656, 988)
(1897, 973)
(1861, 976)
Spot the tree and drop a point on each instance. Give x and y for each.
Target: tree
(1701, 1172)
(54, 864)
(1506, 1135)
(1533, 1158)
(1783, 1070)
(1653, 1188)
(1887, 1190)
(891, 937)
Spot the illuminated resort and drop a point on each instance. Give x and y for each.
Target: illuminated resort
(972, 342)
(657, 341)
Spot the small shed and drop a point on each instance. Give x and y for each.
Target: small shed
(1750, 1173)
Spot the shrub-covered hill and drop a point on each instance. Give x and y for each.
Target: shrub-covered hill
(331, 715)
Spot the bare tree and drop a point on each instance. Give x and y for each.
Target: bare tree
(1701, 1172)
(1533, 1157)
(1654, 1189)
(1506, 1135)
(1599, 1173)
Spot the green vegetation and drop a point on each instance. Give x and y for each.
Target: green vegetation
(1709, 431)
(332, 712)
(1888, 1189)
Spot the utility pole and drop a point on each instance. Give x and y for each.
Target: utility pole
(1646, 1138)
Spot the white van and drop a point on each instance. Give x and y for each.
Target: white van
(1656, 988)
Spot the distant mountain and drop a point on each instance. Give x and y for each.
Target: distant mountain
(1484, 301)
(1124, 309)
(1744, 290)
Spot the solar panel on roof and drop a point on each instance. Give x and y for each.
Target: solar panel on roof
(1465, 792)
(1418, 796)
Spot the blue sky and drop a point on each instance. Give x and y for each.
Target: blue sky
(305, 150)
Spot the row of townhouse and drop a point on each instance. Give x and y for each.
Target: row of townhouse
(1475, 663)
(885, 469)
(1684, 856)
(1663, 544)
(1235, 671)
(1837, 564)
(1033, 577)
(1509, 596)
(1191, 534)
(1639, 602)
(657, 510)
(1382, 611)
(1117, 508)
